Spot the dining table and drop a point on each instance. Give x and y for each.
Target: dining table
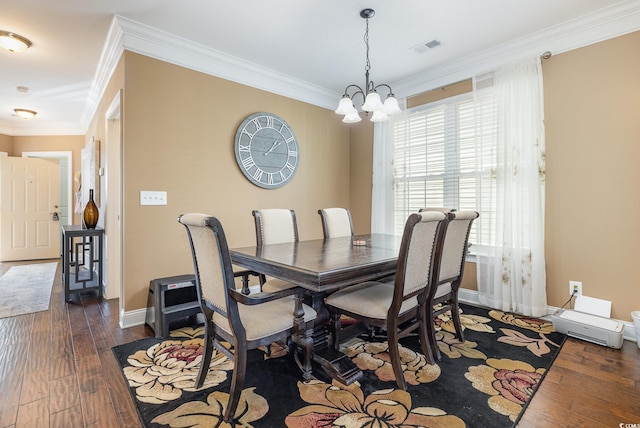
(322, 266)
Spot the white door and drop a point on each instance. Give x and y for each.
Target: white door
(29, 209)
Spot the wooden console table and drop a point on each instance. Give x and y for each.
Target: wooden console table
(82, 259)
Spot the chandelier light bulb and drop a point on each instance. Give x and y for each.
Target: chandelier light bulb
(352, 117)
(391, 106)
(379, 116)
(345, 106)
(372, 102)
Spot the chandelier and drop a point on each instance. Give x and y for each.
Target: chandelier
(372, 102)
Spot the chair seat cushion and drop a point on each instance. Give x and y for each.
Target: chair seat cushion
(369, 299)
(273, 284)
(266, 319)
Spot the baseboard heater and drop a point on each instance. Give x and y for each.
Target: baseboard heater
(592, 328)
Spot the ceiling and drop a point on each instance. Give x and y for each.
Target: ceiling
(298, 48)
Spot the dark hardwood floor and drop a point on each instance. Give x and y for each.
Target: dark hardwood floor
(57, 369)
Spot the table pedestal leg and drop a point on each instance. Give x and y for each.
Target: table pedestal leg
(334, 363)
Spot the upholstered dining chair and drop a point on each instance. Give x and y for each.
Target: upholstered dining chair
(441, 209)
(336, 222)
(245, 321)
(454, 254)
(275, 226)
(400, 304)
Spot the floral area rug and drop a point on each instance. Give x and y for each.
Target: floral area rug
(486, 381)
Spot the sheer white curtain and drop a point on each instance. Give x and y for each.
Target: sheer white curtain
(511, 272)
(382, 186)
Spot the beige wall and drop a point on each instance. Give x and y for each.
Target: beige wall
(361, 169)
(6, 144)
(179, 127)
(448, 91)
(67, 143)
(592, 109)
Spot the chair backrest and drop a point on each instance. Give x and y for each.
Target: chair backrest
(212, 264)
(336, 222)
(275, 226)
(440, 209)
(419, 256)
(454, 249)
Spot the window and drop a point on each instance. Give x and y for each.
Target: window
(443, 156)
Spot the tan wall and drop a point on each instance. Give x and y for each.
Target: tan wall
(592, 105)
(51, 143)
(6, 144)
(361, 169)
(448, 91)
(179, 127)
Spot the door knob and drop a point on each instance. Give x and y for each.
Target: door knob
(55, 217)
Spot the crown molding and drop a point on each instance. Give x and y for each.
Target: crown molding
(111, 53)
(149, 41)
(614, 21)
(125, 34)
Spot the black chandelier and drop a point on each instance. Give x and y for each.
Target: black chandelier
(370, 96)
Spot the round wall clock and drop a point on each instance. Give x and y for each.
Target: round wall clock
(266, 150)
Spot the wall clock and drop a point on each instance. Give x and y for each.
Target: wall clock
(266, 150)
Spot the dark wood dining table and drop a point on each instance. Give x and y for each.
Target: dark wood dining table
(322, 266)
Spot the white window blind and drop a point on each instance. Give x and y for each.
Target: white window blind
(443, 157)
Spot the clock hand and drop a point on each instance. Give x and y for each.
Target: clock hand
(273, 147)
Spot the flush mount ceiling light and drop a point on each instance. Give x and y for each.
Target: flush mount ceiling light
(24, 113)
(13, 42)
(370, 97)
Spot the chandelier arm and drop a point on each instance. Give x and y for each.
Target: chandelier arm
(375, 88)
(359, 91)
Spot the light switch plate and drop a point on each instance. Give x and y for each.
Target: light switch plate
(153, 197)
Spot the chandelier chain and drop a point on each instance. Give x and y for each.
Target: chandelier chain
(366, 42)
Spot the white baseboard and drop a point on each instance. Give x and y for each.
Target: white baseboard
(133, 318)
(138, 316)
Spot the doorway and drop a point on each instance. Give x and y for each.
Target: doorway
(113, 203)
(30, 219)
(66, 181)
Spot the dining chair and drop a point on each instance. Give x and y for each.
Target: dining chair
(336, 222)
(441, 209)
(398, 307)
(275, 226)
(245, 321)
(454, 254)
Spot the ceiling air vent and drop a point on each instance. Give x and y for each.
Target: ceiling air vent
(426, 46)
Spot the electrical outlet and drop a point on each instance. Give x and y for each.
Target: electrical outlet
(575, 287)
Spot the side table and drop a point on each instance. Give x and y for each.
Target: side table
(82, 259)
